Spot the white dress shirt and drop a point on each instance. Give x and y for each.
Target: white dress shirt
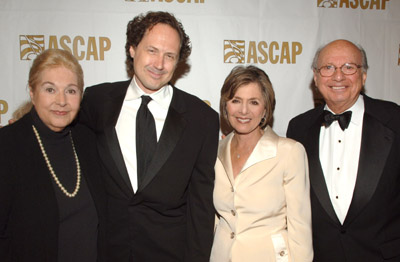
(339, 153)
(126, 124)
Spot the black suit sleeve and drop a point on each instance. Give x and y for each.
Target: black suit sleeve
(6, 194)
(290, 131)
(85, 116)
(200, 200)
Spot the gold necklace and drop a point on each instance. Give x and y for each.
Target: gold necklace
(53, 174)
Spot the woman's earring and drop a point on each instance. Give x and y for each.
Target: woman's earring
(262, 120)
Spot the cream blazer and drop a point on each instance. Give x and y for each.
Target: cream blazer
(264, 214)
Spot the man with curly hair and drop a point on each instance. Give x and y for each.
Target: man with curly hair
(160, 193)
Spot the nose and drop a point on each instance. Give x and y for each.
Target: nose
(338, 75)
(159, 62)
(243, 108)
(61, 99)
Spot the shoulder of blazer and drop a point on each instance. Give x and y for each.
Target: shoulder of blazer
(386, 112)
(183, 101)
(106, 89)
(17, 132)
(304, 121)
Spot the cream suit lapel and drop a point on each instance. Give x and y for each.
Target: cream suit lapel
(224, 155)
(266, 148)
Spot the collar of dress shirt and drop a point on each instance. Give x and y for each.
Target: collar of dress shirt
(357, 111)
(162, 97)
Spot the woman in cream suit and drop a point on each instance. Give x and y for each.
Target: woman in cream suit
(261, 190)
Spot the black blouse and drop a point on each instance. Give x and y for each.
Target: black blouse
(78, 224)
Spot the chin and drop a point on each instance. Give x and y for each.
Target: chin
(243, 132)
(62, 125)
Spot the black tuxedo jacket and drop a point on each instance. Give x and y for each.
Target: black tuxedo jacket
(29, 213)
(371, 230)
(171, 216)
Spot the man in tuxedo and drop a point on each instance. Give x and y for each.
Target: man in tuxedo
(159, 146)
(354, 161)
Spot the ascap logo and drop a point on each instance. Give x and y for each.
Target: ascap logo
(92, 48)
(234, 51)
(168, 1)
(261, 52)
(354, 4)
(3, 108)
(327, 3)
(30, 46)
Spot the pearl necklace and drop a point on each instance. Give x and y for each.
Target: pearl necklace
(78, 179)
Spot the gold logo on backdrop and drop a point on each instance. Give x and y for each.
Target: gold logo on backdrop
(83, 48)
(327, 3)
(354, 4)
(398, 62)
(234, 51)
(30, 46)
(261, 52)
(207, 102)
(168, 1)
(3, 108)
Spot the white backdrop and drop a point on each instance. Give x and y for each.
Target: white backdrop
(279, 36)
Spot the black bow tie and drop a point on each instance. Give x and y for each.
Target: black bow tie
(343, 119)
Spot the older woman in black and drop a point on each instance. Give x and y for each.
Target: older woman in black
(51, 192)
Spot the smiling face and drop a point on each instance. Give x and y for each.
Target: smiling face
(56, 97)
(340, 91)
(246, 109)
(155, 58)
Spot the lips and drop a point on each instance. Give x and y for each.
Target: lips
(243, 120)
(338, 87)
(60, 113)
(155, 73)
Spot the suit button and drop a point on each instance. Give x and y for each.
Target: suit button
(232, 235)
(282, 253)
(233, 212)
(343, 230)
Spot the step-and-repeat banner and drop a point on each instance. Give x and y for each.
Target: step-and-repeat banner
(279, 36)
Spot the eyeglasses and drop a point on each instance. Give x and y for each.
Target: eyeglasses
(347, 69)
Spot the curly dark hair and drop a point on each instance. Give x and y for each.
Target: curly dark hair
(142, 23)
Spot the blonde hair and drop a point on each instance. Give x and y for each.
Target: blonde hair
(54, 58)
(23, 109)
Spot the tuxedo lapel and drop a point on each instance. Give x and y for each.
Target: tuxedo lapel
(172, 131)
(317, 179)
(112, 104)
(376, 144)
(109, 144)
(109, 148)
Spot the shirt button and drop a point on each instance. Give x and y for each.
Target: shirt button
(232, 235)
(282, 253)
(233, 212)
